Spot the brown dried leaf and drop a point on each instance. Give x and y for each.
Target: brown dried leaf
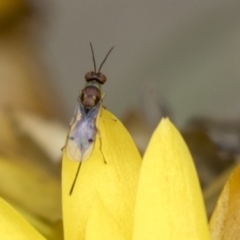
(225, 220)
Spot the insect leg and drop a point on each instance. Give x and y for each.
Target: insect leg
(100, 140)
(75, 179)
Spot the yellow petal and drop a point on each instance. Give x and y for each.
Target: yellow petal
(30, 188)
(169, 202)
(101, 224)
(225, 220)
(114, 181)
(14, 226)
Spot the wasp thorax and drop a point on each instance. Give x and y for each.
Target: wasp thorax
(99, 77)
(90, 96)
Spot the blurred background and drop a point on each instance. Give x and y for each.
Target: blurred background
(171, 58)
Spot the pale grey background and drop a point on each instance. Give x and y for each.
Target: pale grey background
(190, 50)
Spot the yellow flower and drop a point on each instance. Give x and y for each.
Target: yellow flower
(123, 199)
(111, 201)
(113, 182)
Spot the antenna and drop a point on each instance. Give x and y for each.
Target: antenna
(105, 59)
(93, 57)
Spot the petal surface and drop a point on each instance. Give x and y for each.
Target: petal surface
(101, 224)
(13, 226)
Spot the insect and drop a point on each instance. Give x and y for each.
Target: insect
(82, 133)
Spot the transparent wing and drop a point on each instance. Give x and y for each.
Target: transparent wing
(82, 133)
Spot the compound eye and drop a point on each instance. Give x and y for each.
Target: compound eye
(103, 78)
(88, 76)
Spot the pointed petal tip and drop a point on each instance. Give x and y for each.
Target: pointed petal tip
(168, 187)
